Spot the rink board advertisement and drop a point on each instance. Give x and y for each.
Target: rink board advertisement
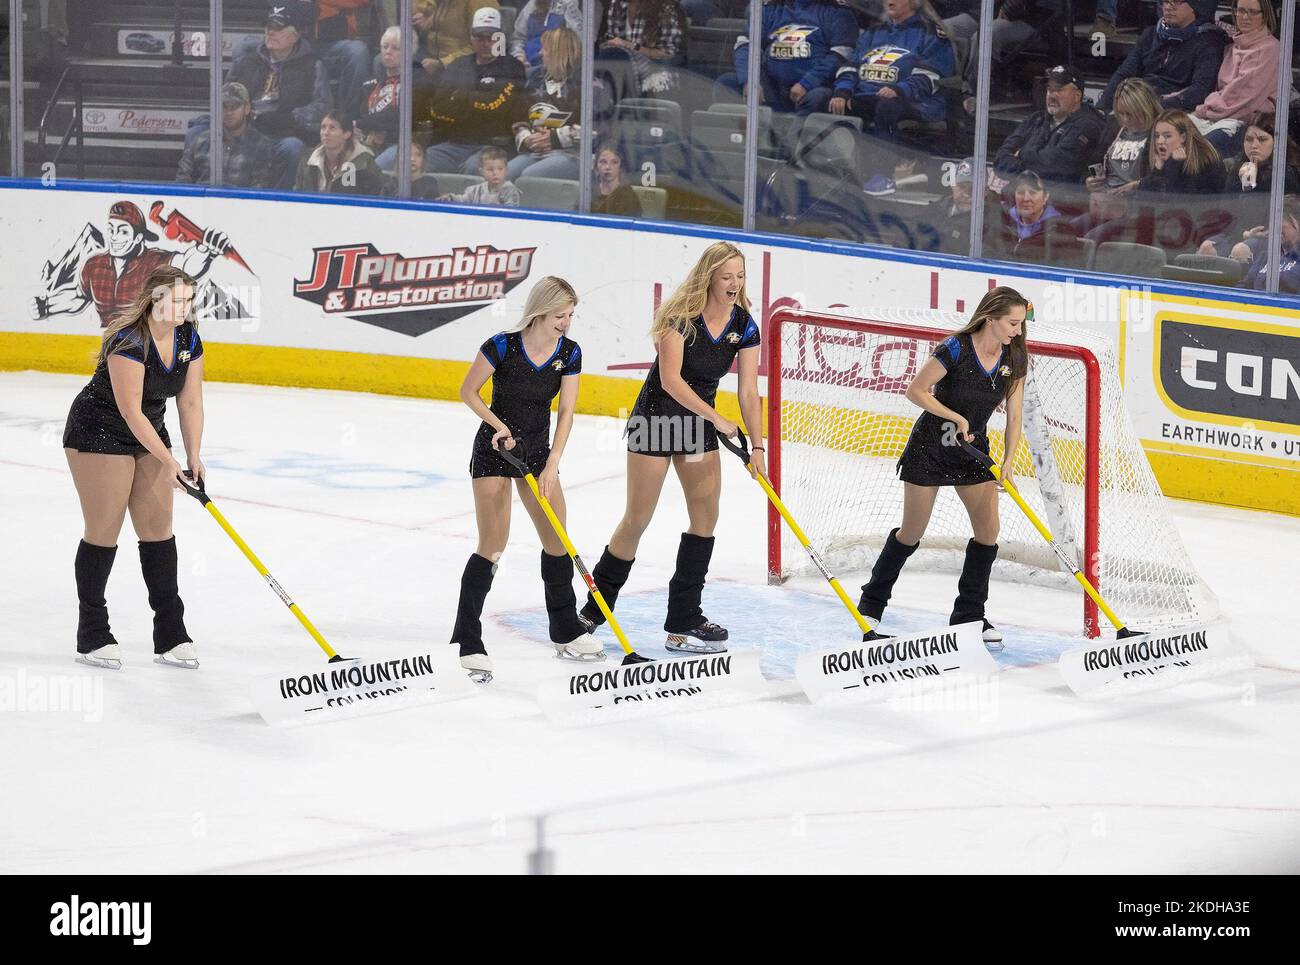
(394, 299)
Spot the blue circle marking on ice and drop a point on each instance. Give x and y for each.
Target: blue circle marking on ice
(781, 623)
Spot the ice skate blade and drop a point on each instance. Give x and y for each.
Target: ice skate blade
(993, 646)
(679, 643)
(90, 660)
(170, 661)
(481, 676)
(562, 652)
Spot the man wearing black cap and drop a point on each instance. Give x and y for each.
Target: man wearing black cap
(247, 162)
(289, 90)
(1057, 143)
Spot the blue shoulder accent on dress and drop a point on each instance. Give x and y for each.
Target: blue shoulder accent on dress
(949, 351)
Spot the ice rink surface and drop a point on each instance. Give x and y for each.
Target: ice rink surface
(361, 507)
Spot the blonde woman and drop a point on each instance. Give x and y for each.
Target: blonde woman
(970, 374)
(529, 365)
(548, 141)
(699, 332)
(120, 456)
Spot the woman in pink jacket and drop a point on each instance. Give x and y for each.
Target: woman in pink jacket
(1247, 77)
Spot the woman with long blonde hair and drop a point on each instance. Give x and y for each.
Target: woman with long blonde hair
(699, 332)
(548, 141)
(970, 374)
(529, 364)
(119, 452)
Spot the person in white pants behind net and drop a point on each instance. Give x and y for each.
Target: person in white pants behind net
(970, 373)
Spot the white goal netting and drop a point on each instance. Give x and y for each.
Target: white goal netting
(840, 420)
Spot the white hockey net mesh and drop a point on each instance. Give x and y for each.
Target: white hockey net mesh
(844, 420)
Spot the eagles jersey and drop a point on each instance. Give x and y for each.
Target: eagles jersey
(95, 423)
(658, 424)
(911, 57)
(521, 391)
(971, 390)
(554, 107)
(804, 42)
(521, 398)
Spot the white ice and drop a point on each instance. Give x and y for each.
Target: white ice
(360, 505)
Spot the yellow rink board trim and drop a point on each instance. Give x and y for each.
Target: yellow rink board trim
(318, 369)
(1183, 472)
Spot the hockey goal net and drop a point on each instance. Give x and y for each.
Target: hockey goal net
(838, 420)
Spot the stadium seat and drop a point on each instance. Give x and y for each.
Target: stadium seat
(1208, 269)
(654, 202)
(552, 194)
(455, 183)
(1126, 258)
(828, 141)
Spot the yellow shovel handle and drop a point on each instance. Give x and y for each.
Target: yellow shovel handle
(266, 575)
(577, 560)
(1043, 531)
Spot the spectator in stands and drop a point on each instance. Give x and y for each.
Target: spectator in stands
(1247, 83)
(346, 35)
(1032, 228)
(1059, 142)
(613, 195)
(1179, 57)
(444, 29)
(494, 188)
(1180, 160)
(548, 141)
(1107, 18)
(1251, 183)
(804, 44)
(424, 187)
(289, 90)
(476, 101)
(648, 35)
(379, 113)
(340, 164)
(894, 72)
(537, 17)
(247, 151)
(1013, 27)
(954, 226)
(1288, 279)
(1124, 160)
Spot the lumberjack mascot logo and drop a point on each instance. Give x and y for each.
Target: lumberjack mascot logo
(108, 269)
(411, 295)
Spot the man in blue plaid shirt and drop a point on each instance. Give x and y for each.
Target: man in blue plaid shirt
(247, 150)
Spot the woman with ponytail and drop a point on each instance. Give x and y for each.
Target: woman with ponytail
(699, 332)
(969, 375)
(119, 452)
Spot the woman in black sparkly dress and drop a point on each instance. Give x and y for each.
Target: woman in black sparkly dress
(969, 375)
(529, 366)
(699, 332)
(120, 455)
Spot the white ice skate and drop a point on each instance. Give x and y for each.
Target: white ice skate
(479, 666)
(992, 638)
(183, 655)
(586, 649)
(108, 657)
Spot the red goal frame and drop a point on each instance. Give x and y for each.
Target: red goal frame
(1091, 430)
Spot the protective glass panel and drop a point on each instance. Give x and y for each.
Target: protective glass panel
(870, 123)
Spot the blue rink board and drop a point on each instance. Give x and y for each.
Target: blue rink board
(781, 622)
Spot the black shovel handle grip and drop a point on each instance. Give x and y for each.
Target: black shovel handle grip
(517, 457)
(194, 487)
(983, 457)
(740, 448)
